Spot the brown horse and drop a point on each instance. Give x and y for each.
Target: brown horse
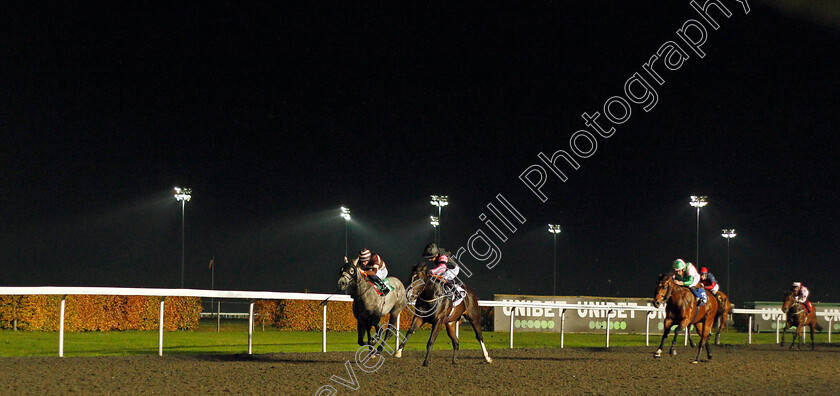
(796, 317)
(431, 305)
(681, 309)
(723, 312)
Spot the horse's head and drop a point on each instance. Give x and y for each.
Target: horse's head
(788, 300)
(420, 272)
(347, 276)
(663, 289)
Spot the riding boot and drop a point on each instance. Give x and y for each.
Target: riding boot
(380, 284)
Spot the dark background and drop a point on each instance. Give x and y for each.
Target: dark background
(276, 116)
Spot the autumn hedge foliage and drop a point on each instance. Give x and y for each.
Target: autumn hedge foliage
(308, 315)
(98, 313)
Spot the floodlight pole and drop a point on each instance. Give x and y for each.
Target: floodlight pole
(183, 243)
(435, 222)
(554, 229)
(698, 202)
(440, 201)
(183, 195)
(345, 214)
(728, 233)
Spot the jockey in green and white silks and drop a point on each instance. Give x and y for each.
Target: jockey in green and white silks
(686, 275)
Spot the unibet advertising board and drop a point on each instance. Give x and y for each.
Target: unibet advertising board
(767, 321)
(547, 320)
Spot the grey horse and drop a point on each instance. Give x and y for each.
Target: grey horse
(368, 306)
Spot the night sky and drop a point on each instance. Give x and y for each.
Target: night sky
(276, 116)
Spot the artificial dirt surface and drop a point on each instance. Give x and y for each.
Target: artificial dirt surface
(764, 369)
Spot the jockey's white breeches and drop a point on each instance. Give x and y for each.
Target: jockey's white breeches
(450, 274)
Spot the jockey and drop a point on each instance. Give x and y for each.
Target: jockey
(708, 281)
(374, 268)
(800, 294)
(443, 267)
(686, 275)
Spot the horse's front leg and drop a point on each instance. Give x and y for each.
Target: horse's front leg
(668, 323)
(450, 330)
(430, 345)
(811, 330)
(415, 324)
(682, 325)
(784, 331)
(796, 336)
(372, 341)
(701, 331)
(360, 327)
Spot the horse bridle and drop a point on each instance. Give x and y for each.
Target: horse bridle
(352, 280)
(418, 294)
(666, 295)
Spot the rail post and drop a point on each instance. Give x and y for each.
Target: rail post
(397, 338)
(830, 318)
(324, 335)
(562, 326)
(250, 325)
(160, 331)
(647, 327)
(61, 330)
(749, 329)
(609, 312)
(512, 315)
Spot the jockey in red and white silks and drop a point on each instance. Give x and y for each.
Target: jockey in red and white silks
(800, 294)
(374, 267)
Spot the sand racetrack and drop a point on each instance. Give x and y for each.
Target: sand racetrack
(764, 369)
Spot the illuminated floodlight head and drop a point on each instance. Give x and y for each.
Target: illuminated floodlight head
(554, 228)
(345, 213)
(728, 233)
(440, 200)
(434, 221)
(699, 201)
(183, 194)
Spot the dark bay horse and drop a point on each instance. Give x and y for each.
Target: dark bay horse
(432, 306)
(368, 306)
(796, 317)
(681, 309)
(724, 309)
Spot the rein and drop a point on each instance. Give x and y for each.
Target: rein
(436, 298)
(357, 280)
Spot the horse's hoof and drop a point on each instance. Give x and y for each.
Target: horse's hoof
(658, 353)
(694, 362)
(398, 354)
(489, 359)
(673, 352)
(425, 364)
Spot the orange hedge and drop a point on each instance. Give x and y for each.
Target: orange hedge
(98, 313)
(307, 315)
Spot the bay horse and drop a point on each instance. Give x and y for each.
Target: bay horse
(681, 309)
(796, 317)
(432, 306)
(723, 312)
(368, 306)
